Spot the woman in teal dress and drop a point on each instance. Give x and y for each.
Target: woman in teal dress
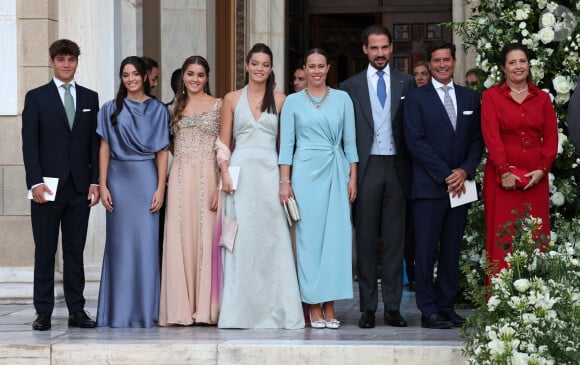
(318, 140)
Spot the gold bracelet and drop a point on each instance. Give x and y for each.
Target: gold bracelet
(102, 178)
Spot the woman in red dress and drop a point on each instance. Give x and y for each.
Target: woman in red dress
(520, 132)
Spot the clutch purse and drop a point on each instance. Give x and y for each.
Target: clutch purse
(293, 209)
(229, 231)
(519, 173)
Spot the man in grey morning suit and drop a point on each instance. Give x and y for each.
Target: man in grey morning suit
(383, 177)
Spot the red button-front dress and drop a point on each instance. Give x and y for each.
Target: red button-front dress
(522, 135)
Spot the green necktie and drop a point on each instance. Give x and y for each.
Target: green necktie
(69, 105)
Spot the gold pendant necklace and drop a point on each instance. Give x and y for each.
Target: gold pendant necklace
(314, 103)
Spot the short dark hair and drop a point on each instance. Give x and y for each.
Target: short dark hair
(64, 47)
(440, 45)
(150, 63)
(375, 29)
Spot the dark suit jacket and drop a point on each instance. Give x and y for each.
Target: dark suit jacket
(435, 147)
(50, 148)
(357, 88)
(573, 117)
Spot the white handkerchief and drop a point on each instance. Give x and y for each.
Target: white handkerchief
(467, 112)
(52, 183)
(469, 196)
(86, 110)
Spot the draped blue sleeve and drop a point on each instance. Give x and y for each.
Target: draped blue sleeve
(287, 131)
(349, 132)
(141, 129)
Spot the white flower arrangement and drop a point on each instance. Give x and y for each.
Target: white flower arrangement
(532, 312)
(554, 67)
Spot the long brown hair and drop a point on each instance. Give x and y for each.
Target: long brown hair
(269, 102)
(181, 93)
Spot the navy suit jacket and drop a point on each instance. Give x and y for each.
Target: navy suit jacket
(435, 147)
(357, 88)
(50, 148)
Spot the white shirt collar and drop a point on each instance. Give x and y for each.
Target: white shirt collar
(59, 83)
(372, 72)
(438, 85)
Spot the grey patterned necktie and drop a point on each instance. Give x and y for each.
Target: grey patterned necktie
(448, 104)
(69, 105)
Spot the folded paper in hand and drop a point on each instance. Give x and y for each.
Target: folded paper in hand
(52, 184)
(234, 172)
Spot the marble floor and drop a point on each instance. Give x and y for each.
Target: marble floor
(209, 345)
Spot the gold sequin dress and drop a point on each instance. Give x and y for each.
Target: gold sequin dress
(189, 226)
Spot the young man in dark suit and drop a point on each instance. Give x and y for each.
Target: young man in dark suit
(383, 177)
(443, 133)
(59, 140)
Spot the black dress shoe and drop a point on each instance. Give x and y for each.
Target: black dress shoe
(42, 322)
(435, 321)
(81, 319)
(394, 318)
(367, 320)
(454, 318)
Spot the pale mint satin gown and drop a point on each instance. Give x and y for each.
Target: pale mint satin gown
(320, 144)
(260, 283)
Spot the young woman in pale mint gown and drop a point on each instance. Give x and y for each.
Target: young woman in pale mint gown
(260, 284)
(132, 171)
(192, 201)
(317, 140)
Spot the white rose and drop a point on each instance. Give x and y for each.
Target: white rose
(557, 199)
(493, 302)
(525, 33)
(521, 14)
(549, 51)
(546, 35)
(523, 25)
(548, 20)
(562, 84)
(537, 73)
(489, 82)
(522, 285)
(542, 4)
(562, 98)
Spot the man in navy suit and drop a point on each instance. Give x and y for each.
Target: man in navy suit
(443, 133)
(59, 140)
(383, 177)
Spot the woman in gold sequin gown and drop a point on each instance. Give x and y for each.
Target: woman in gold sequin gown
(192, 200)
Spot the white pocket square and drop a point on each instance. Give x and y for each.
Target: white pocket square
(86, 110)
(467, 112)
(402, 98)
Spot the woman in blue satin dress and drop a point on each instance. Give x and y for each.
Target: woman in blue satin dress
(317, 141)
(132, 171)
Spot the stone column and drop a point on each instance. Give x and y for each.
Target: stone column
(186, 27)
(265, 19)
(458, 13)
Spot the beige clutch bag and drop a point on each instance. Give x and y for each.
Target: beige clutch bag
(293, 209)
